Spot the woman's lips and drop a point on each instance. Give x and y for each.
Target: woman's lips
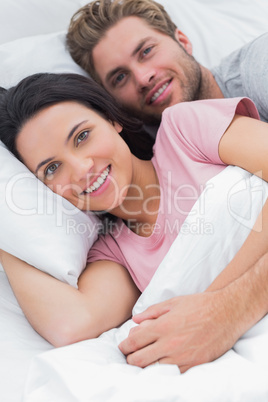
(99, 181)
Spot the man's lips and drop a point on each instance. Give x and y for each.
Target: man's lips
(156, 92)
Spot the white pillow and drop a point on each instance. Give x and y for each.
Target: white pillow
(19, 18)
(41, 53)
(39, 226)
(55, 238)
(216, 28)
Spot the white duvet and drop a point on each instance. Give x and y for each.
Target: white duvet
(95, 370)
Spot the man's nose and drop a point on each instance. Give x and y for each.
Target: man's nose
(144, 76)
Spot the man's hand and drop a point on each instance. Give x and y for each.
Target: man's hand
(185, 330)
(195, 329)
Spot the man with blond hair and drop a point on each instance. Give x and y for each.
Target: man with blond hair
(135, 51)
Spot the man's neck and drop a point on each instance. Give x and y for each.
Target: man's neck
(210, 89)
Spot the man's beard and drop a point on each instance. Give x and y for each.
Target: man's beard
(192, 91)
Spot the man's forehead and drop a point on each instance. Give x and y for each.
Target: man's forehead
(129, 25)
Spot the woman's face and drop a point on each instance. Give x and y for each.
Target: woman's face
(78, 154)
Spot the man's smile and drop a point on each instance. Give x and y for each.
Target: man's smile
(157, 91)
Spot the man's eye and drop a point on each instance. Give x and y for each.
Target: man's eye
(82, 136)
(119, 78)
(147, 50)
(51, 169)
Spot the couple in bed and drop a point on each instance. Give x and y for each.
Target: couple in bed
(74, 137)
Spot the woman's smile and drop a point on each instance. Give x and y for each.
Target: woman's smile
(99, 183)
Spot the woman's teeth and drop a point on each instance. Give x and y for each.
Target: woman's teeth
(159, 92)
(100, 180)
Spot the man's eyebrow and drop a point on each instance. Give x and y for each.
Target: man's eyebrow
(71, 133)
(140, 44)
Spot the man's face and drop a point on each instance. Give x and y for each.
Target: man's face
(146, 70)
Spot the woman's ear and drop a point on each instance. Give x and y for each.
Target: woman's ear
(117, 126)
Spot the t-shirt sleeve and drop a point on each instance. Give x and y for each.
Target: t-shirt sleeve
(106, 248)
(254, 73)
(198, 126)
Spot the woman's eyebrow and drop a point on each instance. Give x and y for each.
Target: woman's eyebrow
(43, 163)
(71, 133)
(73, 130)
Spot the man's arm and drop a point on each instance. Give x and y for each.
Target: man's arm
(195, 329)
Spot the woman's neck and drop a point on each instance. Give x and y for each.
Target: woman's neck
(141, 205)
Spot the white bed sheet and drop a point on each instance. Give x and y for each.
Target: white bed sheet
(19, 343)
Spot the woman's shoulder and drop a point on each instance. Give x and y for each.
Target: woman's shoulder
(206, 112)
(196, 127)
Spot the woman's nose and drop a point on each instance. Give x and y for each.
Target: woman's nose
(81, 168)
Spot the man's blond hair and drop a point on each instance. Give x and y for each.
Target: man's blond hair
(90, 23)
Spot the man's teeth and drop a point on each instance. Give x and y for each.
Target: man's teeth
(159, 92)
(100, 180)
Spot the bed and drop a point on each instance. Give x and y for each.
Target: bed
(31, 370)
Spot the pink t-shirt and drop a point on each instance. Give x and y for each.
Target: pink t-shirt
(185, 158)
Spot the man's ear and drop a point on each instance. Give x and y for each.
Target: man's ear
(184, 41)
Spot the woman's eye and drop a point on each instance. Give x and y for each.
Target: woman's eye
(82, 136)
(51, 169)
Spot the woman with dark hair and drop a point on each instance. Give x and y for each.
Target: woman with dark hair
(73, 137)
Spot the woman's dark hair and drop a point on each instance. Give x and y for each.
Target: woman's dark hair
(36, 92)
